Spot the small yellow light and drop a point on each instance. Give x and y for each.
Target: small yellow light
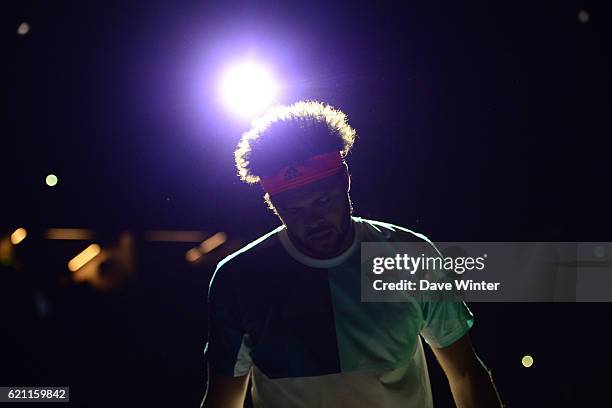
(193, 255)
(18, 236)
(527, 361)
(85, 256)
(51, 180)
(23, 28)
(213, 242)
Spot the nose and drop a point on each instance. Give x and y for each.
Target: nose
(314, 218)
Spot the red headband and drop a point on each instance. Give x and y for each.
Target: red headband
(316, 168)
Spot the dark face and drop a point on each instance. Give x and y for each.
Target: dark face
(318, 216)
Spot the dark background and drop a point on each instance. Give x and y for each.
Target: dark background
(476, 121)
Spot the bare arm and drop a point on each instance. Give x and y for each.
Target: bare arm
(225, 391)
(470, 381)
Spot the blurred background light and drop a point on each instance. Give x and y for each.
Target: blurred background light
(18, 235)
(583, 16)
(51, 180)
(85, 256)
(23, 28)
(6, 251)
(527, 361)
(248, 88)
(90, 271)
(193, 255)
(213, 242)
(108, 268)
(69, 234)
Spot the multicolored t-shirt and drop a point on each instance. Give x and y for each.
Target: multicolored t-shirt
(299, 324)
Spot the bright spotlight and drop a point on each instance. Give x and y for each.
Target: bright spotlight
(248, 89)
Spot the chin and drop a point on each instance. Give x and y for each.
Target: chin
(324, 248)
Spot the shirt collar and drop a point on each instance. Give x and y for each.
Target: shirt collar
(315, 262)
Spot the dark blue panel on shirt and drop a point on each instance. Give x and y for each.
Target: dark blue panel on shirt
(289, 317)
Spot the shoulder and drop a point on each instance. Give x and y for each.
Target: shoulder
(373, 230)
(230, 268)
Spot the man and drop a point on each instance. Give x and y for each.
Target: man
(286, 309)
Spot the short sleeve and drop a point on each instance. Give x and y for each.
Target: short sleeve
(445, 322)
(446, 317)
(227, 350)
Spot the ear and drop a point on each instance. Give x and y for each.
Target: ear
(347, 177)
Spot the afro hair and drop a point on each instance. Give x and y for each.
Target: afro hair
(290, 135)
